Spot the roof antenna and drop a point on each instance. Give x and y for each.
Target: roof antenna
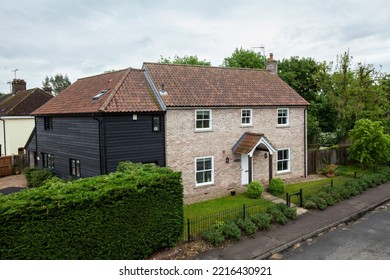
(262, 49)
(15, 70)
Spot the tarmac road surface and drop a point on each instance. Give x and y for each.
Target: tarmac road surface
(367, 238)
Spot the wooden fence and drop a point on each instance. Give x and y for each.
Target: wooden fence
(316, 159)
(14, 164)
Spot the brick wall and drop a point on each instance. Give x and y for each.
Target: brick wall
(184, 144)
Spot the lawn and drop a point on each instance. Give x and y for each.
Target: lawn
(222, 204)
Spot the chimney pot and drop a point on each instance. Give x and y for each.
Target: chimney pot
(271, 56)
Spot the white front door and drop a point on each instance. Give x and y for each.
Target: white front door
(244, 169)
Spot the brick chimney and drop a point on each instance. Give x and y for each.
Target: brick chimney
(271, 65)
(18, 85)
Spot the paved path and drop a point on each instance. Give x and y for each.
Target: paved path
(305, 226)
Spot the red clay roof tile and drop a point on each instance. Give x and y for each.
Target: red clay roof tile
(193, 86)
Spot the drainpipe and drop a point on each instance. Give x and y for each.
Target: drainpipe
(5, 143)
(305, 141)
(36, 144)
(101, 150)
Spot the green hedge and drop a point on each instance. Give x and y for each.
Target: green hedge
(36, 177)
(127, 214)
(331, 195)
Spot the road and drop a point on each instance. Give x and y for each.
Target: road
(367, 238)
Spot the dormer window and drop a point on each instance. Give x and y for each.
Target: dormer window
(100, 94)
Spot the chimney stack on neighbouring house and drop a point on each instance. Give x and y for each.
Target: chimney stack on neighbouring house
(271, 65)
(17, 85)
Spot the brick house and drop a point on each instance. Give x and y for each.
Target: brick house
(227, 126)
(221, 127)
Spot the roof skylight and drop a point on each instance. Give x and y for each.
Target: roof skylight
(100, 94)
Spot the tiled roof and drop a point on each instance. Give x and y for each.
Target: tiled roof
(248, 141)
(127, 91)
(193, 86)
(24, 102)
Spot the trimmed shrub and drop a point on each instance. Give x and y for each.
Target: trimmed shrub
(214, 236)
(309, 204)
(319, 202)
(334, 192)
(255, 189)
(247, 226)
(123, 215)
(262, 221)
(290, 213)
(344, 192)
(231, 230)
(327, 197)
(36, 177)
(276, 186)
(277, 216)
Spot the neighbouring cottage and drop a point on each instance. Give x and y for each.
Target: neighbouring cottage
(98, 122)
(221, 127)
(16, 122)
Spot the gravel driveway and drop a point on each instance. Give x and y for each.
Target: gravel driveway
(12, 183)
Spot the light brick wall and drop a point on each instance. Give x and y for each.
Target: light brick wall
(184, 144)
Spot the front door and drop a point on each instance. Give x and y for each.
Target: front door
(244, 169)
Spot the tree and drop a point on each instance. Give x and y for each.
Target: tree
(245, 59)
(58, 83)
(190, 60)
(301, 74)
(370, 145)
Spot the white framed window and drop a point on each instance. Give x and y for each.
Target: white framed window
(48, 161)
(203, 120)
(283, 117)
(74, 166)
(246, 116)
(283, 160)
(204, 171)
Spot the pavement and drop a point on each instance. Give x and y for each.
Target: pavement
(307, 225)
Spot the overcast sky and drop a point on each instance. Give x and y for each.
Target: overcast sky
(83, 37)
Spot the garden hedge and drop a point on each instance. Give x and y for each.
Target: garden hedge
(128, 214)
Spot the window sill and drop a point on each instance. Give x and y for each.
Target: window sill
(283, 126)
(246, 125)
(205, 130)
(204, 186)
(283, 172)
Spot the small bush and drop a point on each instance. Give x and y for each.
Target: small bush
(344, 192)
(309, 204)
(247, 226)
(335, 194)
(327, 197)
(291, 213)
(231, 231)
(35, 177)
(368, 180)
(262, 221)
(214, 236)
(276, 186)
(319, 201)
(277, 216)
(255, 189)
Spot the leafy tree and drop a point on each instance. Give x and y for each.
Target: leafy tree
(301, 74)
(58, 83)
(245, 59)
(190, 60)
(370, 145)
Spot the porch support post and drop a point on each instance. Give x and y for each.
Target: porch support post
(250, 168)
(270, 168)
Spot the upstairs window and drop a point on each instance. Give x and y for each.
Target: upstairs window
(156, 123)
(75, 168)
(283, 117)
(246, 117)
(203, 120)
(48, 123)
(48, 161)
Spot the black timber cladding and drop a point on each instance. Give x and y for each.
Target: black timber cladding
(127, 139)
(71, 137)
(100, 143)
